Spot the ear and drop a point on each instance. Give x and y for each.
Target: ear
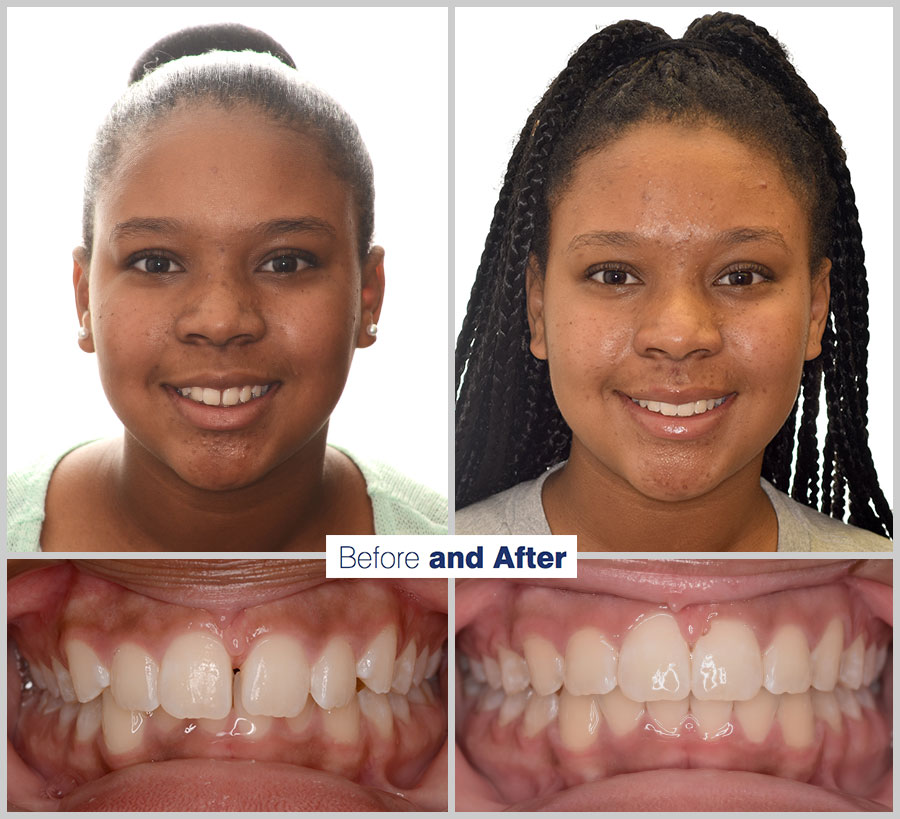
(80, 270)
(534, 299)
(371, 295)
(820, 299)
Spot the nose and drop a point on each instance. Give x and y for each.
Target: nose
(676, 322)
(221, 309)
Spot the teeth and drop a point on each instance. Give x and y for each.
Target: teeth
(400, 706)
(490, 699)
(247, 724)
(403, 668)
(825, 707)
(477, 668)
(621, 714)
(333, 677)
(590, 663)
(276, 677)
(654, 662)
(50, 679)
(512, 707)
(756, 715)
(852, 659)
(786, 662)
(342, 723)
(300, 723)
(579, 721)
(513, 671)
(545, 665)
(419, 668)
(491, 671)
(848, 704)
(376, 666)
(681, 410)
(67, 716)
(195, 678)
(134, 678)
(712, 716)
(434, 663)
(63, 680)
(121, 728)
(87, 723)
(826, 657)
(228, 397)
(795, 714)
(376, 708)
(539, 713)
(668, 714)
(727, 663)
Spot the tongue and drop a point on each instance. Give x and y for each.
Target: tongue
(699, 790)
(226, 785)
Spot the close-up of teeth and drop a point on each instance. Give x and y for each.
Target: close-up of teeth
(228, 397)
(681, 410)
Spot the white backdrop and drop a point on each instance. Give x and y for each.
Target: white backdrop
(387, 67)
(506, 58)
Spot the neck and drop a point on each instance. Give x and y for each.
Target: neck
(158, 511)
(609, 514)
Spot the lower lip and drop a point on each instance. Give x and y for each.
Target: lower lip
(222, 419)
(675, 427)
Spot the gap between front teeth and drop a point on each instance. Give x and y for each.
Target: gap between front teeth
(223, 398)
(681, 410)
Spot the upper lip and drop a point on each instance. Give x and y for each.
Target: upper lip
(220, 381)
(678, 396)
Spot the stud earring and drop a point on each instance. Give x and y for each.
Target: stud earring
(372, 329)
(83, 333)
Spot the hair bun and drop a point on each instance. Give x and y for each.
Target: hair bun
(202, 39)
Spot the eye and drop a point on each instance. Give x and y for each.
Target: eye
(155, 263)
(291, 262)
(743, 276)
(612, 275)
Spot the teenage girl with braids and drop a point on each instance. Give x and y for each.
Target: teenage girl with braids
(674, 256)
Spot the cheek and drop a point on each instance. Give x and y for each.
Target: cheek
(583, 344)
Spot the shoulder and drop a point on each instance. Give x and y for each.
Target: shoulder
(801, 529)
(515, 511)
(400, 505)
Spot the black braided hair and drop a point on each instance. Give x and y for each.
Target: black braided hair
(731, 73)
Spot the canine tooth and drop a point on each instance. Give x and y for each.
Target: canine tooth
(798, 724)
(134, 678)
(513, 671)
(87, 723)
(590, 663)
(63, 681)
(400, 706)
(122, 728)
(668, 409)
(621, 713)
(668, 714)
(477, 668)
(579, 720)
(195, 677)
(211, 397)
(50, 679)
(195, 394)
(726, 663)
(255, 726)
(826, 656)
(512, 707)
(756, 714)
(869, 674)
(403, 668)
(342, 723)
(711, 715)
(852, 663)
(231, 396)
(376, 666)
(333, 676)
(654, 662)
(545, 664)
(848, 704)
(825, 707)
(490, 699)
(377, 710)
(539, 713)
(89, 675)
(434, 663)
(419, 667)
(276, 677)
(786, 662)
(492, 672)
(653, 406)
(256, 391)
(245, 395)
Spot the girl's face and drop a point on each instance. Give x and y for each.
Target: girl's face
(677, 308)
(225, 267)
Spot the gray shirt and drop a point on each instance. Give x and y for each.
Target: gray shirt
(519, 511)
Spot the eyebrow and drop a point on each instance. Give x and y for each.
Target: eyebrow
(271, 229)
(735, 236)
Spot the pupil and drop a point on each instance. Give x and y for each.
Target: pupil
(157, 264)
(285, 264)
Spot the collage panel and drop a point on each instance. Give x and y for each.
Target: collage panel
(223, 685)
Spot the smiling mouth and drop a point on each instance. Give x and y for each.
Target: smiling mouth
(295, 692)
(681, 410)
(228, 397)
(575, 700)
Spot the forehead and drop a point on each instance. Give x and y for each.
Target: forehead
(231, 165)
(674, 183)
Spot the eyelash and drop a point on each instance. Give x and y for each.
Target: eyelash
(308, 260)
(759, 274)
(145, 255)
(305, 258)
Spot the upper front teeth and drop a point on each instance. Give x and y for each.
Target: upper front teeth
(682, 410)
(223, 398)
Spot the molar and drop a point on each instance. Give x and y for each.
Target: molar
(134, 678)
(333, 676)
(545, 664)
(851, 673)
(276, 677)
(756, 714)
(579, 720)
(795, 714)
(786, 662)
(195, 677)
(89, 675)
(654, 662)
(513, 671)
(122, 728)
(590, 663)
(376, 666)
(826, 656)
(726, 663)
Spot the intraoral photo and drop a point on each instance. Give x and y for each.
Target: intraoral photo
(721, 685)
(233, 685)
